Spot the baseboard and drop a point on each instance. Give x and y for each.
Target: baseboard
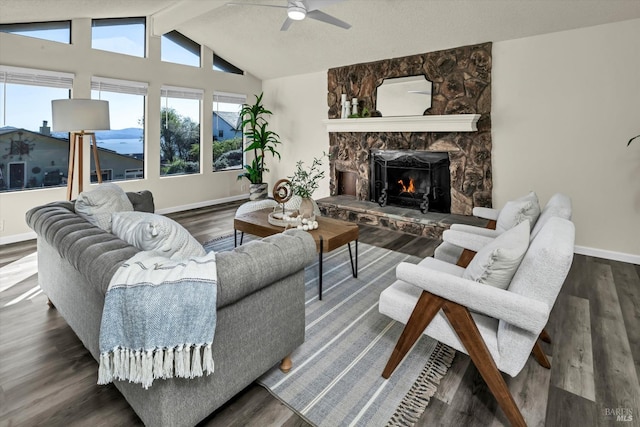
(612, 255)
(15, 238)
(203, 204)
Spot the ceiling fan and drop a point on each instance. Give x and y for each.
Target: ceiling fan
(297, 10)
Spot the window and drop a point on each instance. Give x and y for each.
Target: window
(120, 35)
(30, 155)
(227, 131)
(121, 148)
(220, 64)
(180, 131)
(179, 49)
(57, 31)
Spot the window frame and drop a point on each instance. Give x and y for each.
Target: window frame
(103, 22)
(32, 26)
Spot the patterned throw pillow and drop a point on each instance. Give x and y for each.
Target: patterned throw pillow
(152, 232)
(516, 211)
(96, 206)
(497, 262)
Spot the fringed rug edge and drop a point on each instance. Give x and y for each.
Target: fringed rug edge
(417, 398)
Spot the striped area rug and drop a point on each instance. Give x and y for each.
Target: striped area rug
(336, 377)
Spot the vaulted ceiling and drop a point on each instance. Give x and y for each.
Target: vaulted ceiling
(250, 36)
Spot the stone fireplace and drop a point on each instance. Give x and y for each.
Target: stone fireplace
(461, 85)
(412, 179)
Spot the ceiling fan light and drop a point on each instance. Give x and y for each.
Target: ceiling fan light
(296, 13)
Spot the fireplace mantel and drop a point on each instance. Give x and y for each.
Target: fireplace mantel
(435, 123)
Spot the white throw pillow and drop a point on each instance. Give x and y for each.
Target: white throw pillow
(516, 211)
(150, 232)
(497, 262)
(97, 205)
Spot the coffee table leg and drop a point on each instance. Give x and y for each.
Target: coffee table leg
(320, 269)
(354, 268)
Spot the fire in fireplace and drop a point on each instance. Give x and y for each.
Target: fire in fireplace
(413, 179)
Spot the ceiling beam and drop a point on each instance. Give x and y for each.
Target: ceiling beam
(177, 14)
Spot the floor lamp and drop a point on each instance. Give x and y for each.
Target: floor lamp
(80, 117)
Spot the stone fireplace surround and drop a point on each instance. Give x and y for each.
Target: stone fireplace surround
(461, 85)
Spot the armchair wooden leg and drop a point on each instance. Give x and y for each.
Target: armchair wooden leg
(464, 325)
(425, 310)
(465, 258)
(286, 364)
(50, 304)
(544, 336)
(539, 355)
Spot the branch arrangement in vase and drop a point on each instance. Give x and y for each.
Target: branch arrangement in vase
(305, 181)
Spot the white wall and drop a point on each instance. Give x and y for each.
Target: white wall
(564, 107)
(170, 193)
(299, 104)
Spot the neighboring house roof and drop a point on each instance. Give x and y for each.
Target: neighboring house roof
(9, 130)
(230, 117)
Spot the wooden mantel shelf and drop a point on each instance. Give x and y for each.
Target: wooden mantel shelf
(441, 123)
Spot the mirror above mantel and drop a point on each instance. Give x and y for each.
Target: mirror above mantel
(433, 123)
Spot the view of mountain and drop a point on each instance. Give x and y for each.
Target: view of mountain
(128, 133)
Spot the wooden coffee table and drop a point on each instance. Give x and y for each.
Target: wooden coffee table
(330, 234)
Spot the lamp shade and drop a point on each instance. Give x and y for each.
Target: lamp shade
(73, 115)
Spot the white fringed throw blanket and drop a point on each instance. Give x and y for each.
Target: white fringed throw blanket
(159, 319)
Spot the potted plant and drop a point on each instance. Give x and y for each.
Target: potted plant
(260, 141)
(304, 182)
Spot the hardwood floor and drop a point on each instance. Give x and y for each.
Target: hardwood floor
(48, 378)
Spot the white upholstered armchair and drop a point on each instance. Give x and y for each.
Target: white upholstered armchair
(490, 310)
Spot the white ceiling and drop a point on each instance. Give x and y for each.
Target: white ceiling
(250, 37)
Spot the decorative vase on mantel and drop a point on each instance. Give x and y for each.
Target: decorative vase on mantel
(258, 191)
(307, 208)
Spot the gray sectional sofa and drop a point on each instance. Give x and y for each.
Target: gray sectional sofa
(260, 306)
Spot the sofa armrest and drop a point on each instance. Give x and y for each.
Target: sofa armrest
(486, 213)
(255, 265)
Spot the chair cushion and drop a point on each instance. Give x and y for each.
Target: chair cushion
(496, 263)
(151, 232)
(97, 205)
(516, 211)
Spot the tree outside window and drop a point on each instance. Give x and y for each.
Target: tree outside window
(180, 132)
(227, 131)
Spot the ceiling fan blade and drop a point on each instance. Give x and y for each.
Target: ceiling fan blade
(286, 24)
(318, 4)
(321, 16)
(253, 4)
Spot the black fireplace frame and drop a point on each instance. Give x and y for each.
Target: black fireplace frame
(436, 199)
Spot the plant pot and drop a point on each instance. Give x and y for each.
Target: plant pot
(258, 191)
(306, 209)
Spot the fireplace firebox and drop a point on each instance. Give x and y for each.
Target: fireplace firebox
(413, 179)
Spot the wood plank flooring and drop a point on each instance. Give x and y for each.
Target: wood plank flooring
(48, 378)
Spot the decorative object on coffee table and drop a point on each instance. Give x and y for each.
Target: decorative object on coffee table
(260, 140)
(304, 182)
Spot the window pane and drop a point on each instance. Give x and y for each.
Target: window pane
(220, 64)
(121, 149)
(124, 35)
(30, 155)
(180, 49)
(179, 136)
(59, 31)
(227, 136)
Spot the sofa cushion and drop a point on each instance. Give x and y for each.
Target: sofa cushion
(96, 206)
(516, 211)
(150, 232)
(496, 263)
